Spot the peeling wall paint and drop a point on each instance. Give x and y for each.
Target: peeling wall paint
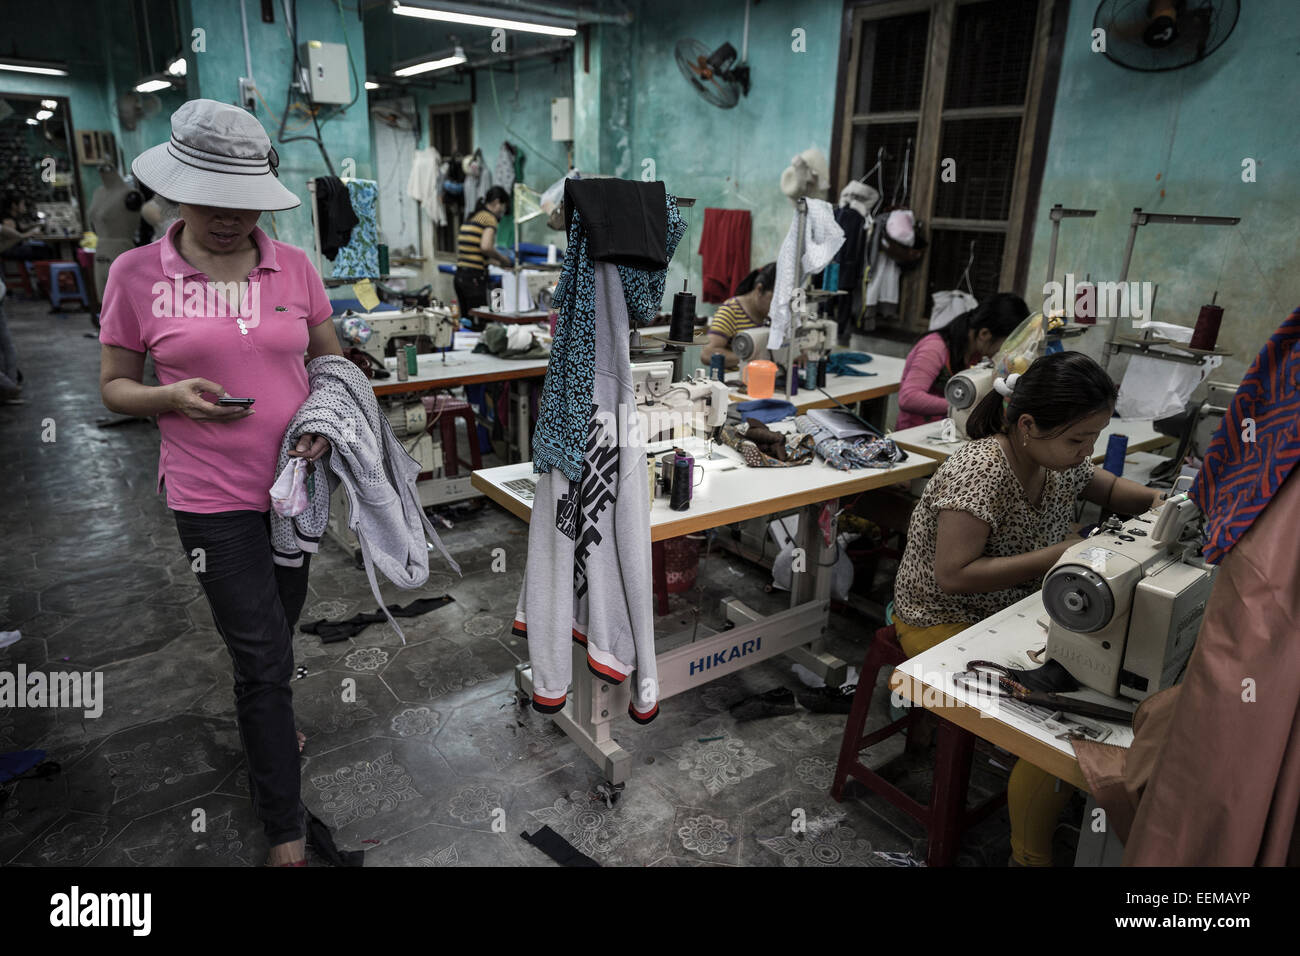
(1174, 142)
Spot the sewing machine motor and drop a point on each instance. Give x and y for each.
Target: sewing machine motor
(1126, 604)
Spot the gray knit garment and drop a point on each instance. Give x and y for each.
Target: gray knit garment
(378, 478)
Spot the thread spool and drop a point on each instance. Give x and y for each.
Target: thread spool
(681, 330)
(718, 366)
(1206, 332)
(1085, 303)
(1116, 449)
(683, 478)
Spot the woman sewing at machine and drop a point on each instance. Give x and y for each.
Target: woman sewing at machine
(963, 342)
(17, 236)
(476, 247)
(747, 309)
(992, 521)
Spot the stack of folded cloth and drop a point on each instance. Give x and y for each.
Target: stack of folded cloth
(846, 453)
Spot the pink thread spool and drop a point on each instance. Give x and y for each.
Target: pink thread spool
(1206, 332)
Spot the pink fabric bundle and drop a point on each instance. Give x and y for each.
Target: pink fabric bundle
(289, 493)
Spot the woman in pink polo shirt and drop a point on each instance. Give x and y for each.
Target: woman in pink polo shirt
(957, 346)
(225, 311)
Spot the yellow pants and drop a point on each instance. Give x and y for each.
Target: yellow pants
(1035, 798)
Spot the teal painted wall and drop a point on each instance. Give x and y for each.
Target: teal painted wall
(88, 87)
(1115, 131)
(727, 158)
(215, 74)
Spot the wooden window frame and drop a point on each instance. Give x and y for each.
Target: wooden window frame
(1040, 94)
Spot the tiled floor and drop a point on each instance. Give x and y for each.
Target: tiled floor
(434, 763)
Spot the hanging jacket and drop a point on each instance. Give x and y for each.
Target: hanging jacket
(376, 472)
(724, 246)
(635, 226)
(588, 574)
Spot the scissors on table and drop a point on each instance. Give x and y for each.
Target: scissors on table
(985, 677)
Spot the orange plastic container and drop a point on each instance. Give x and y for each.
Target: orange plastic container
(760, 378)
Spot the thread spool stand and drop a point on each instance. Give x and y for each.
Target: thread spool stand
(1171, 351)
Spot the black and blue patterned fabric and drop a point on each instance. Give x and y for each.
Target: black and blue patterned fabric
(565, 407)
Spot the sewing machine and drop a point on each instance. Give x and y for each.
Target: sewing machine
(965, 390)
(682, 408)
(1126, 604)
(409, 326)
(815, 338)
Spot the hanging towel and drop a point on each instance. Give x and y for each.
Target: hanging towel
(635, 226)
(334, 214)
(360, 257)
(724, 244)
(822, 239)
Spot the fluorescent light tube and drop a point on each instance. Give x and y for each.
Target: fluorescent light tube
(429, 66)
(152, 85)
(450, 16)
(44, 114)
(33, 66)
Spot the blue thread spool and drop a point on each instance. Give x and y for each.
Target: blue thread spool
(1116, 449)
(717, 366)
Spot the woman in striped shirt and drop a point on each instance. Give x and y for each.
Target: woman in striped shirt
(747, 309)
(476, 247)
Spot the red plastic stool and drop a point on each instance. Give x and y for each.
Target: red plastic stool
(18, 277)
(946, 816)
(446, 410)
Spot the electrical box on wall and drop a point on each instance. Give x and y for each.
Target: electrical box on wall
(327, 71)
(562, 119)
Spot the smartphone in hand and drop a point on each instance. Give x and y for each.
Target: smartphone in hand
(236, 402)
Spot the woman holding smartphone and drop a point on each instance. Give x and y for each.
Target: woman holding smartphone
(226, 312)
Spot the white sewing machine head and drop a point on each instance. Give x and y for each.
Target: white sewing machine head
(816, 337)
(965, 390)
(650, 380)
(436, 325)
(1126, 604)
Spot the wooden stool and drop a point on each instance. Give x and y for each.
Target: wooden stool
(946, 816)
(447, 409)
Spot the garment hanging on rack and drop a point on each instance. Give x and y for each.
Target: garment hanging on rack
(424, 184)
(360, 257)
(822, 239)
(851, 259)
(724, 246)
(637, 227)
(478, 179)
(334, 215)
(588, 575)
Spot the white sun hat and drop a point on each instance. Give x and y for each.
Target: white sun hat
(219, 155)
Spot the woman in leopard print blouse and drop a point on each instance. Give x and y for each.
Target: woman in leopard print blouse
(996, 517)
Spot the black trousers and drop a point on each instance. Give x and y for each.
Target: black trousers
(471, 291)
(255, 604)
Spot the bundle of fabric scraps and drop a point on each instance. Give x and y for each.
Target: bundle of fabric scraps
(847, 453)
(841, 363)
(511, 342)
(762, 447)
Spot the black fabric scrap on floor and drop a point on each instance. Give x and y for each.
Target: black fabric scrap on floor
(557, 848)
(331, 632)
(321, 840)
